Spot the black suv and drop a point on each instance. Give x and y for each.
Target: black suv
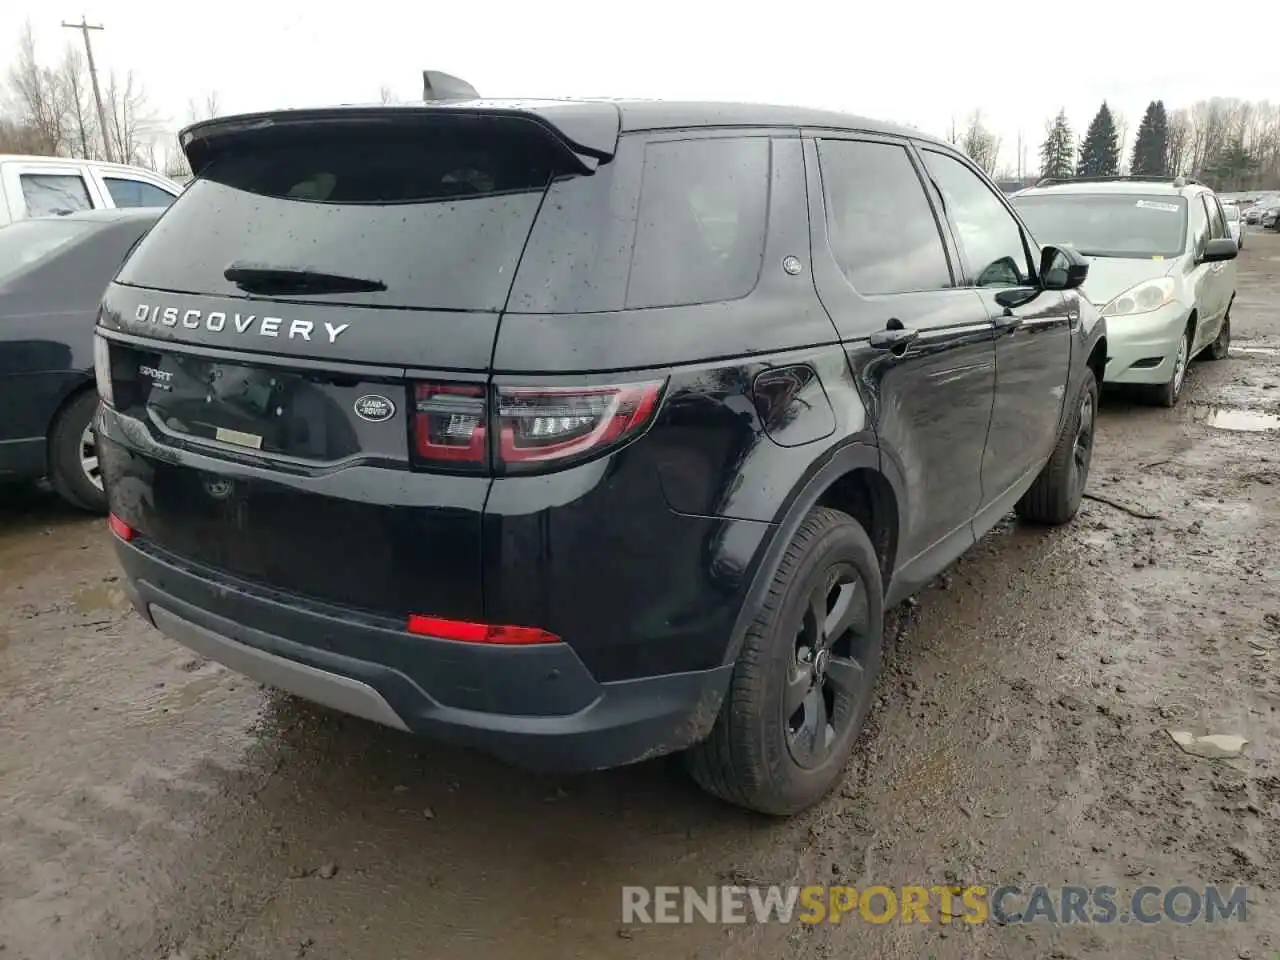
(582, 432)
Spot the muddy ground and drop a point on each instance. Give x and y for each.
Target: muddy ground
(156, 806)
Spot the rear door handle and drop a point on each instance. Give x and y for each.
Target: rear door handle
(892, 339)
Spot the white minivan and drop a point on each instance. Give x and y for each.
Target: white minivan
(51, 186)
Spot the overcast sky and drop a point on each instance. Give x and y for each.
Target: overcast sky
(919, 63)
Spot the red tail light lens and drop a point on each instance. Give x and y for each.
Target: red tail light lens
(536, 427)
(467, 632)
(449, 423)
(120, 528)
(541, 424)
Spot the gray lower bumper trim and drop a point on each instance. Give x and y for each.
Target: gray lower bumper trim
(330, 689)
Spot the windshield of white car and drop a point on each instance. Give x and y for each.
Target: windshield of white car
(1232, 211)
(1107, 225)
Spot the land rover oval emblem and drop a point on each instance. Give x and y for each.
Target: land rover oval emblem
(375, 409)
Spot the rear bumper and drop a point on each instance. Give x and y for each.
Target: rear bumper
(1143, 349)
(536, 706)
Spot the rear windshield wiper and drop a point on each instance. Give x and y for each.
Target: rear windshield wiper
(262, 278)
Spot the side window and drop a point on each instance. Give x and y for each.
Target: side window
(50, 194)
(989, 234)
(1200, 221)
(1217, 219)
(135, 193)
(880, 226)
(701, 221)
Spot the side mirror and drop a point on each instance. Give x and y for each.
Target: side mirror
(1219, 249)
(1062, 268)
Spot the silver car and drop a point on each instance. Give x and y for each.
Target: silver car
(1161, 271)
(1235, 223)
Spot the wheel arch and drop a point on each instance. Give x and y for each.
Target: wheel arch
(851, 479)
(77, 389)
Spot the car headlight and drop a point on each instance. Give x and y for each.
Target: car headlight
(1144, 298)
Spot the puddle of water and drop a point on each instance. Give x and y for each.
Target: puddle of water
(1228, 418)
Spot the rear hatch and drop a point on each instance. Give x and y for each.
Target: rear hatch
(308, 330)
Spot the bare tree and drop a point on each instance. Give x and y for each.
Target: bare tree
(129, 117)
(982, 146)
(385, 95)
(77, 100)
(1121, 123)
(18, 137)
(210, 108)
(37, 97)
(1178, 143)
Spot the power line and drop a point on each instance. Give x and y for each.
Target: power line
(84, 27)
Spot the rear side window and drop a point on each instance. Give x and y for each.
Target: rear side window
(135, 193)
(436, 211)
(701, 222)
(880, 226)
(51, 194)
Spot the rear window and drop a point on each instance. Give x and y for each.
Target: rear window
(435, 211)
(28, 242)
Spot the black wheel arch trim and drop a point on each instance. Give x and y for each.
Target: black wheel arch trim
(857, 454)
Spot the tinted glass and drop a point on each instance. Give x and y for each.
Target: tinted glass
(28, 242)
(1198, 219)
(880, 226)
(1217, 220)
(1108, 225)
(135, 193)
(50, 194)
(437, 211)
(989, 234)
(701, 222)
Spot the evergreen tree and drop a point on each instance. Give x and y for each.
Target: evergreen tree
(1058, 152)
(1150, 147)
(1100, 151)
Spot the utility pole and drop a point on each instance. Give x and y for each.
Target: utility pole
(1020, 155)
(84, 27)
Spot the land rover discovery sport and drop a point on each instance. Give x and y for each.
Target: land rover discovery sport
(582, 432)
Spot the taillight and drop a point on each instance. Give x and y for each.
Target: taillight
(466, 631)
(120, 528)
(537, 425)
(534, 428)
(450, 423)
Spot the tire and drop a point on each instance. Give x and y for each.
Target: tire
(1219, 348)
(1055, 496)
(69, 466)
(761, 754)
(1167, 394)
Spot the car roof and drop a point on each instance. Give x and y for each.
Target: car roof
(1085, 186)
(592, 124)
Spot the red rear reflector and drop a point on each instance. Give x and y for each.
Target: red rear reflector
(466, 632)
(120, 528)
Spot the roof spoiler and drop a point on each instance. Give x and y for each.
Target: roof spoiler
(443, 86)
